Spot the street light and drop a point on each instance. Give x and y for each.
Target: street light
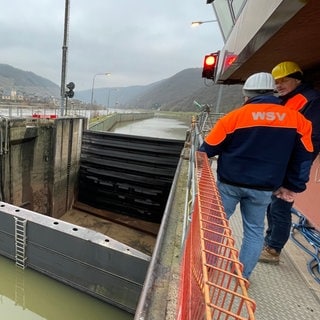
(197, 23)
(93, 80)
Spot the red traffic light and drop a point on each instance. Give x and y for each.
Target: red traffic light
(210, 60)
(230, 59)
(209, 65)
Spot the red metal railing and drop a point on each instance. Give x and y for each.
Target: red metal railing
(211, 284)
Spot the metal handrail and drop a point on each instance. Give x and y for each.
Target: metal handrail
(200, 125)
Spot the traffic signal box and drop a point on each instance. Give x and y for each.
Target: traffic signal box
(70, 92)
(209, 65)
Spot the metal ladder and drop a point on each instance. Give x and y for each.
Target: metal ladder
(20, 238)
(20, 294)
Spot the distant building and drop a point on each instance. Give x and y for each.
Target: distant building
(11, 95)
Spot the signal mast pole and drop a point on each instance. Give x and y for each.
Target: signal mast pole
(64, 57)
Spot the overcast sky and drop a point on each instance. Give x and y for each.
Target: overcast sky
(138, 42)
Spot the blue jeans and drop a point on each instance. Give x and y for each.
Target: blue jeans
(253, 205)
(279, 223)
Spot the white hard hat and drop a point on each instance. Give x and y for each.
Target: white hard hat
(260, 81)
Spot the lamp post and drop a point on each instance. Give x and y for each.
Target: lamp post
(197, 23)
(93, 80)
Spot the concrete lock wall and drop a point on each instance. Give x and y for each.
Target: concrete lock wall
(67, 149)
(39, 163)
(39, 160)
(108, 123)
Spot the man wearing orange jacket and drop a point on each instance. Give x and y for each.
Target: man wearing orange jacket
(262, 148)
(299, 96)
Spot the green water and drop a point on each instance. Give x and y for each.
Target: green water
(155, 127)
(30, 295)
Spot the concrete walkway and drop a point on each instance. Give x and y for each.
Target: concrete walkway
(284, 291)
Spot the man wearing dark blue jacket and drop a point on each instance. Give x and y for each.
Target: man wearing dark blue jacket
(299, 96)
(262, 148)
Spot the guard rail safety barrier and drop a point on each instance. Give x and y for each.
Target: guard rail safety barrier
(211, 283)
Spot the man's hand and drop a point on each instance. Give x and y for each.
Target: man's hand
(285, 194)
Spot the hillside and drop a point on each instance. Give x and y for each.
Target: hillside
(26, 82)
(172, 89)
(176, 93)
(231, 97)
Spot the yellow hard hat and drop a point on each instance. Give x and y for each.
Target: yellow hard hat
(284, 69)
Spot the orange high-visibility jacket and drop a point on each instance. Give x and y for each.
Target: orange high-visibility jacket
(262, 145)
(306, 100)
